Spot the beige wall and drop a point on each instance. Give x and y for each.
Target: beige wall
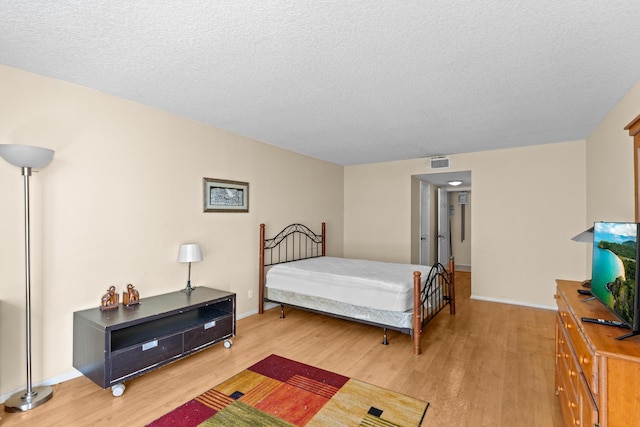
(123, 191)
(378, 211)
(610, 164)
(527, 204)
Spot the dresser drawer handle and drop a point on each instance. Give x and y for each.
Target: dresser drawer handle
(149, 345)
(210, 325)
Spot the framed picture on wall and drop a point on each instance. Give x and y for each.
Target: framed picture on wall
(222, 195)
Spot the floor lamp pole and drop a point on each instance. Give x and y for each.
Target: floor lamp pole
(31, 397)
(26, 173)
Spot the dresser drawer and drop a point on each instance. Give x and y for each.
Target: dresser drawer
(588, 407)
(568, 400)
(146, 355)
(569, 365)
(584, 356)
(586, 360)
(211, 331)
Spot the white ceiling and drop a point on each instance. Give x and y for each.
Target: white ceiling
(344, 81)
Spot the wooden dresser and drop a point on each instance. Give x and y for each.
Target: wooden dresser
(597, 376)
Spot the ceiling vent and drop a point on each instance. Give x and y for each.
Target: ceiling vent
(440, 162)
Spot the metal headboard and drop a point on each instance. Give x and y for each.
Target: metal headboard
(293, 243)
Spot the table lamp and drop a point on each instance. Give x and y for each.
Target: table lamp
(189, 252)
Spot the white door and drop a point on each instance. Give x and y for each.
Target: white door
(444, 242)
(424, 223)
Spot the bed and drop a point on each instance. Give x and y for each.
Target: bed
(295, 271)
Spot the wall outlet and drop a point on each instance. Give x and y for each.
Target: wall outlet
(250, 294)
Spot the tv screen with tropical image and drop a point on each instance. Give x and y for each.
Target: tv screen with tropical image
(613, 275)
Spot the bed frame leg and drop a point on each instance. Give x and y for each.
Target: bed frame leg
(282, 311)
(385, 341)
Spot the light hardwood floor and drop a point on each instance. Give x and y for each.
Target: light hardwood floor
(489, 365)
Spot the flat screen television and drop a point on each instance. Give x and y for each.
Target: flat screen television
(613, 273)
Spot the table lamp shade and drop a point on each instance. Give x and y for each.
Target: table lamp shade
(585, 237)
(189, 252)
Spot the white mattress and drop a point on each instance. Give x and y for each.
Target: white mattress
(371, 284)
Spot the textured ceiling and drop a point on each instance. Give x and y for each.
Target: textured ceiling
(344, 81)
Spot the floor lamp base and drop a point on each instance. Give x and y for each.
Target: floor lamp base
(20, 402)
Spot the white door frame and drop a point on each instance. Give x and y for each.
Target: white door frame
(444, 232)
(425, 241)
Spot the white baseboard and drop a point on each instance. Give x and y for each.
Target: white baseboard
(73, 373)
(247, 314)
(506, 301)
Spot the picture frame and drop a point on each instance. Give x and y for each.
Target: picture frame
(223, 195)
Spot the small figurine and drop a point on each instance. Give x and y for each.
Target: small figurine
(110, 300)
(131, 296)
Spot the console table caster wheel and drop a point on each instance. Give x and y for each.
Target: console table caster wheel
(117, 390)
(228, 343)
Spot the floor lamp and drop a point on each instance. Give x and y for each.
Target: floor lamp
(27, 157)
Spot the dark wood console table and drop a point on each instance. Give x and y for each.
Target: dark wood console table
(112, 346)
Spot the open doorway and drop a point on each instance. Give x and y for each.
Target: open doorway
(444, 225)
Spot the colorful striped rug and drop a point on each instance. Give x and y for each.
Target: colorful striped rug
(281, 392)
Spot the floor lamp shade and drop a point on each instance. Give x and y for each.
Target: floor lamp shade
(27, 157)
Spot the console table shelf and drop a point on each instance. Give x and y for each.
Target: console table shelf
(111, 346)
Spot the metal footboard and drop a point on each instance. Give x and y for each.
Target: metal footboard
(437, 292)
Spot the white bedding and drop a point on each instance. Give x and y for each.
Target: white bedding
(371, 284)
